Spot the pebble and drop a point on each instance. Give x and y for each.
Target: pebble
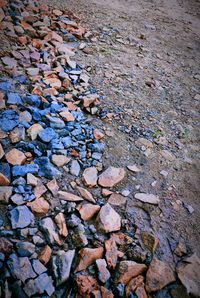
(47, 134)
(111, 177)
(75, 168)
(108, 220)
(147, 198)
(90, 176)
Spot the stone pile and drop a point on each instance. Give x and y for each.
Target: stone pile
(58, 237)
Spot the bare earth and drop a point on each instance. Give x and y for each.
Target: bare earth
(145, 63)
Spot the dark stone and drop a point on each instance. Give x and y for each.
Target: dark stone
(25, 249)
(9, 119)
(25, 169)
(32, 100)
(5, 245)
(2, 258)
(46, 168)
(40, 285)
(21, 217)
(13, 99)
(5, 169)
(47, 134)
(17, 290)
(97, 147)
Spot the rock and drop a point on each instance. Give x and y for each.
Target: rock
(13, 99)
(43, 284)
(149, 241)
(87, 211)
(2, 153)
(25, 117)
(18, 199)
(48, 226)
(181, 249)
(108, 220)
(103, 273)
(86, 285)
(34, 130)
(61, 223)
(167, 155)
(112, 253)
(90, 176)
(20, 267)
(59, 160)
(56, 122)
(45, 254)
(32, 100)
(32, 180)
(53, 187)
(64, 195)
(46, 168)
(4, 174)
(25, 169)
(25, 249)
(147, 198)
(6, 246)
(141, 292)
(189, 274)
(111, 177)
(5, 193)
(39, 190)
(133, 284)
(75, 168)
(33, 71)
(4, 180)
(106, 293)
(117, 200)
(78, 237)
(17, 135)
(85, 194)
(88, 256)
(158, 276)
(9, 62)
(133, 168)
(39, 206)
(15, 157)
(98, 135)
(67, 116)
(61, 264)
(128, 270)
(47, 134)
(21, 217)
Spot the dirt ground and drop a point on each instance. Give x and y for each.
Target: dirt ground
(144, 60)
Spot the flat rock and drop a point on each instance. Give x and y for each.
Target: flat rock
(21, 217)
(88, 211)
(111, 177)
(25, 169)
(147, 198)
(67, 196)
(31, 179)
(25, 249)
(53, 187)
(47, 134)
(117, 200)
(85, 194)
(43, 284)
(90, 176)
(34, 130)
(15, 157)
(39, 206)
(45, 254)
(5, 193)
(128, 270)
(88, 256)
(75, 168)
(108, 220)
(13, 99)
(103, 273)
(67, 116)
(39, 190)
(59, 160)
(48, 226)
(133, 168)
(158, 276)
(61, 223)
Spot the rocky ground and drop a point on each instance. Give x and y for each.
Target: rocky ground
(99, 149)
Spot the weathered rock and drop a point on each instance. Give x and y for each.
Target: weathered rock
(38, 267)
(141, 292)
(13, 99)
(64, 195)
(25, 169)
(47, 134)
(5, 246)
(149, 241)
(85, 194)
(46, 168)
(147, 198)
(25, 249)
(21, 217)
(106, 293)
(90, 176)
(87, 211)
(25, 117)
(158, 276)
(39, 206)
(133, 284)
(5, 193)
(61, 223)
(86, 285)
(48, 226)
(4, 180)
(112, 253)
(17, 135)
(45, 254)
(9, 119)
(117, 200)
(129, 270)
(88, 256)
(108, 220)
(39, 190)
(53, 187)
(59, 160)
(111, 177)
(67, 116)
(32, 180)
(103, 273)
(34, 130)
(75, 168)
(167, 155)
(43, 284)
(61, 264)
(133, 168)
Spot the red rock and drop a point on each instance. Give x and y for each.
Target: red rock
(147, 198)
(158, 276)
(53, 82)
(39, 190)
(39, 206)
(4, 180)
(129, 270)
(108, 220)
(117, 200)
(106, 192)
(86, 285)
(111, 177)
(67, 116)
(103, 273)
(141, 292)
(5, 246)
(133, 284)
(5, 193)
(70, 106)
(61, 223)
(33, 130)
(1, 151)
(90, 176)
(53, 187)
(88, 256)
(45, 255)
(106, 293)
(98, 134)
(87, 211)
(85, 194)
(31, 179)
(53, 36)
(15, 157)
(112, 253)
(64, 195)
(27, 26)
(59, 160)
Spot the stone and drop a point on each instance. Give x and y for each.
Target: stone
(158, 275)
(18, 199)
(147, 198)
(13, 99)
(39, 206)
(108, 220)
(86, 285)
(75, 168)
(6, 246)
(141, 292)
(43, 284)
(25, 117)
(20, 267)
(111, 177)
(117, 200)
(21, 217)
(53, 82)
(9, 119)
(2, 153)
(4, 174)
(32, 100)
(17, 135)
(59, 160)
(88, 211)
(31, 179)
(24, 169)
(85, 194)
(90, 176)
(47, 169)
(33, 71)
(47, 134)
(25, 249)
(103, 273)
(128, 270)
(98, 135)
(45, 254)
(167, 155)
(133, 284)
(5, 193)
(149, 241)
(106, 293)
(47, 225)
(61, 223)
(88, 256)
(39, 190)
(61, 264)
(67, 116)
(133, 168)
(181, 249)
(189, 274)
(53, 187)
(112, 253)
(15, 157)
(9, 62)
(38, 267)
(64, 195)
(34, 130)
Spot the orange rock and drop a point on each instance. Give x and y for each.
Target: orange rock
(4, 180)
(39, 190)
(66, 83)
(53, 187)
(15, 157)
(86, 285)
(98, 134)
(129, 270)
(27, 26)
(90, 176)
(87, 211)
(106, 293)
(53, 82)
(53, 36)
(33, 130)
(67, 116)
(37, 43)
(88, 256)
(117, 200)
(85, 194)
(108, 220)
(59, 160)
(39, 206)
(64, 195)
(111, 177)
(140, 292)
(70, 106)
(60, 221)
(45, 254)
(112, 253)
(133, 284)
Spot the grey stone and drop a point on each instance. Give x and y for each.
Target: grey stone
(17, 199)
(21, 217)
(13, 99)
(5, 193)
(56, 122)
(46, 168)
(25, 169)
(25, 249)
(38, 267)
(47, 134)
(47, 225)
(43, 284)
(75, 168)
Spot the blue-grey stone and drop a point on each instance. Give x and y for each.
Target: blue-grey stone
(32, 100)
(46, 168)
(56, 107)
(38, 267)
(9, 119)
(75, 168)
(13, 99)
(5, 85)
(43, 284)
(47, 134)
(25, 169)
(21, 217)
(19, 181)
(56, 122)
(97, 147)
(25, 249)
(67, 142)
(56, 144)
(5, 169)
